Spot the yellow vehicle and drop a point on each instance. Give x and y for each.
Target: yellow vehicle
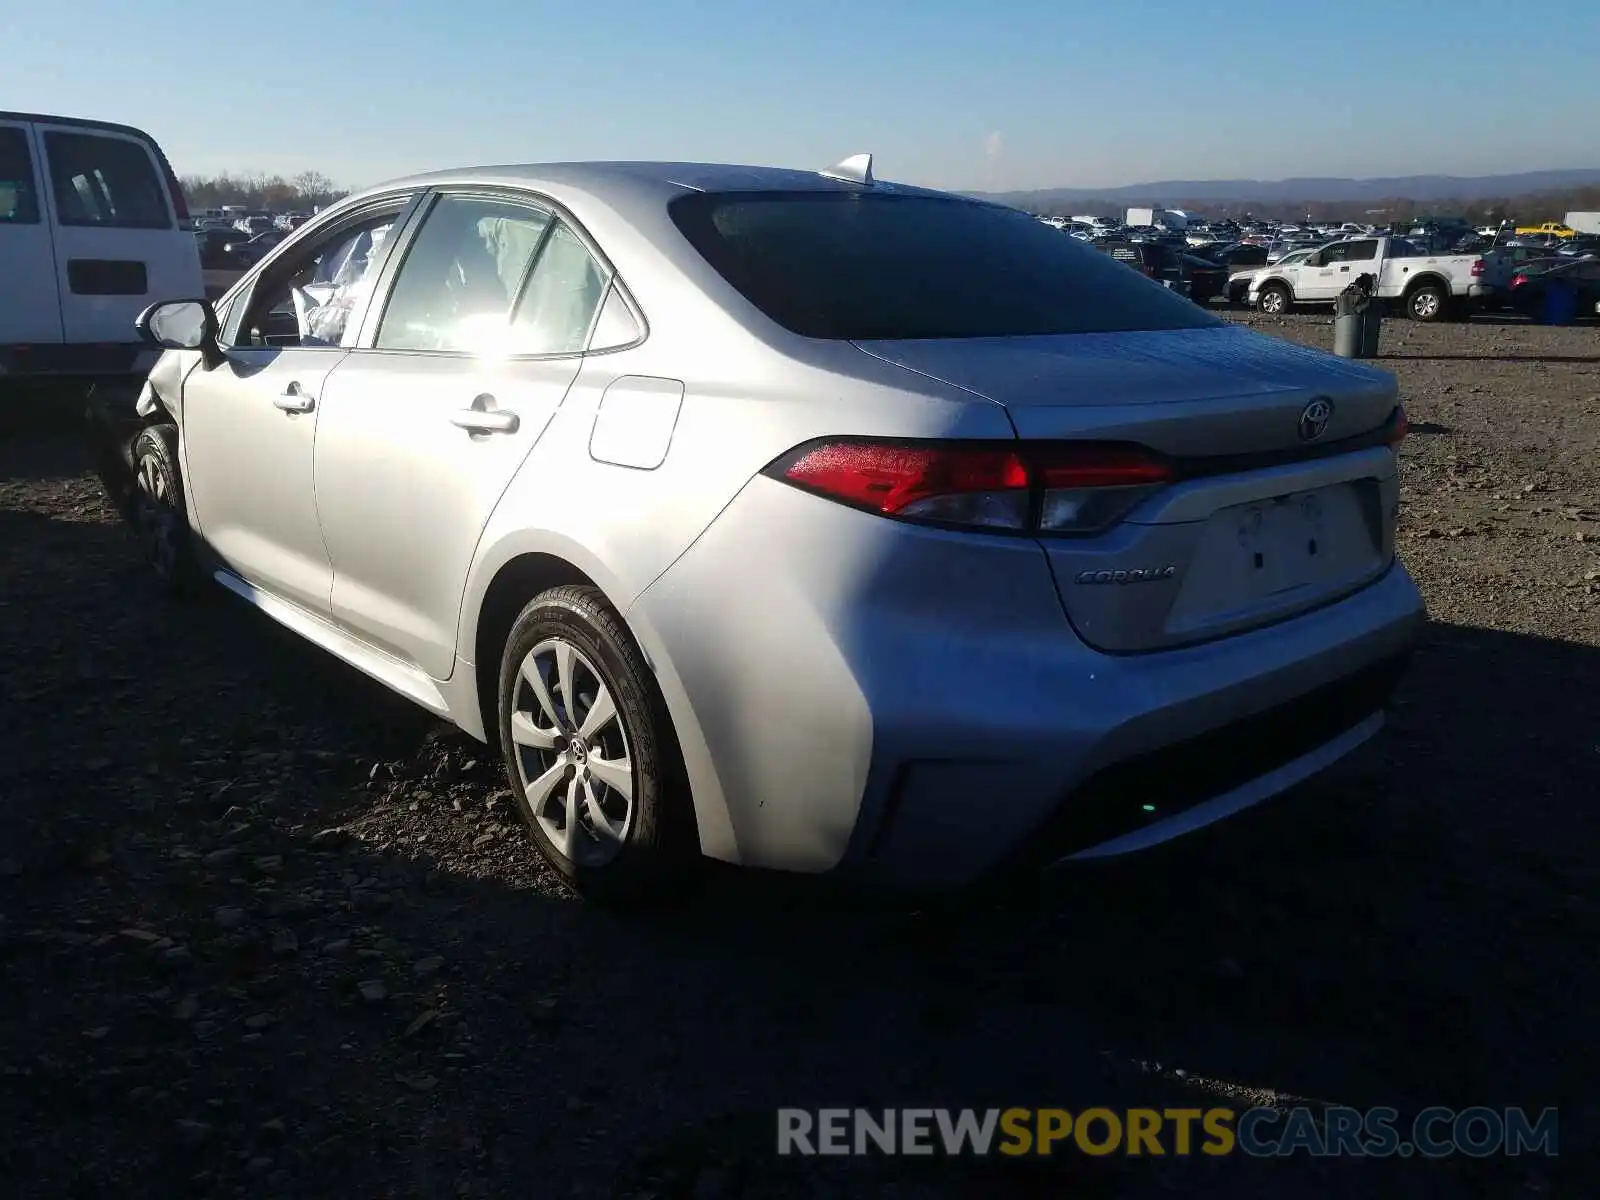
(1555, 227)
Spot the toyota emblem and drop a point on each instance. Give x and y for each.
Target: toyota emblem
(1314, 419)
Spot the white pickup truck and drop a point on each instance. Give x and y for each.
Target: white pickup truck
(1428, 287)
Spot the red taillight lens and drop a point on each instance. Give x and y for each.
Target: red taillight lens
(968, 486)
(1518, 280)
(1478, 267)
(1399, 427)
(1069, 487)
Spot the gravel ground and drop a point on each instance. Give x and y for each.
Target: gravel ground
(268, 931)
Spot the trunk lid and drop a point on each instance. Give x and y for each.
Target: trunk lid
(1263, 522)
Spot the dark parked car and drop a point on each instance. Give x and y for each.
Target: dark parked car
(213, 245)
(1236, 256)
(248, 251)
(1581, 246)
(1195, 277)
(1531, 284)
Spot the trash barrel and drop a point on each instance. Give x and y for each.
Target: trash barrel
(1356, 320)
(1371, 328)
(1560, 304)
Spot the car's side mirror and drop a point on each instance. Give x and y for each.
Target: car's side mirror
(182, 325)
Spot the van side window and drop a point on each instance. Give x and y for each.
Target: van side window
(19, 204)
(107, 181)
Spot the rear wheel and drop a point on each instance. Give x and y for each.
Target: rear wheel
(160, 518)
(590, 753)
(1428, 303)
(1274, 299)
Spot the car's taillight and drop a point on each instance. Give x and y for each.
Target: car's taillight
(1479, 267)
(1086, 486)
(1042, 487)
(1399, 426)
(1518, 280)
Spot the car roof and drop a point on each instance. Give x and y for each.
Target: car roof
(76, 122)
(617, 178)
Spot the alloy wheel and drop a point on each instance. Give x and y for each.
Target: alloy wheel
(572, 754)
(156, 518)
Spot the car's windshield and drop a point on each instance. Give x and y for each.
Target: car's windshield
(849, 265)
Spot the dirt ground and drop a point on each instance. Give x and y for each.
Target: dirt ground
(267, 931)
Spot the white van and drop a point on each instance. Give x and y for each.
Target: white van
(92, 231)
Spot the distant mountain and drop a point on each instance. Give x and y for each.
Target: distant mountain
(1280, 191)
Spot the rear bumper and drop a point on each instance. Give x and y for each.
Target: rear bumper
(913, 706)
(77, 360)
(1486, 294)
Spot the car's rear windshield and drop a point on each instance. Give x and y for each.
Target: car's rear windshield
(882, 265)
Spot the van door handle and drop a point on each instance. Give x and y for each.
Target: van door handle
(481, 418)
(295, 400)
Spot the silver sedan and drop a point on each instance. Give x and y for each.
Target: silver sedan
(787, 518)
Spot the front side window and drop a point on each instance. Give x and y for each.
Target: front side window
(851, 265)
(19, 202)
(460, 278)
(106, 181)
(308, 300)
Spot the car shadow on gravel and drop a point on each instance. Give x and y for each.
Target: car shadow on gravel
(269, 929)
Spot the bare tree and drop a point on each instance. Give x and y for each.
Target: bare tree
(309, 189)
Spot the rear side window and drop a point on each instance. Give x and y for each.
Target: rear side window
(19, 204)
(563, 294)
(868, 265)
(461, 276)
(105, 181)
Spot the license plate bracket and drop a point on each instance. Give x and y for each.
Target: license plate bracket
(1279, 541)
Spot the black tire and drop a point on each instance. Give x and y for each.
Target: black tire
(658, 850)
(1428, 303)
(160, 516)
(1282, 297)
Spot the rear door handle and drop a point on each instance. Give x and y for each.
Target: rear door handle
(295, 400)
(481, 418)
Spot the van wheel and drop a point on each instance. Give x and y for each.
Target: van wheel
(590, 753)
(160, 517)
(1428, 303)
(1274, 300)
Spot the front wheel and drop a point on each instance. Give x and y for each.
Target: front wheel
(160, 518)
(590, 753)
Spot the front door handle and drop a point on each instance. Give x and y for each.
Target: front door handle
(482, 418)
(295, 400)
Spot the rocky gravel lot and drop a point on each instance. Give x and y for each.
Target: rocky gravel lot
(266, 931)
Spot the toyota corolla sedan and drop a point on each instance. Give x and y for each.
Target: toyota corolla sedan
(791, 519)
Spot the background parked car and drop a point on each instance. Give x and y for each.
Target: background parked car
(1234, 255)
(247, 252)
(1530, 286)
(91, 233)
(213, 246)
(1195, 277)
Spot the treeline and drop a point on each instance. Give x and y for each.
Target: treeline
(303, 192)
(1527, 209)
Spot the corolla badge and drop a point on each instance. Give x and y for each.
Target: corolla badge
(1314, 419)
(1141, 575)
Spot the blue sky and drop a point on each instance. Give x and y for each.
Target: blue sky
(946, 93)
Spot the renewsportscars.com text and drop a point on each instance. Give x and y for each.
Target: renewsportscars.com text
(1256, 1132)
